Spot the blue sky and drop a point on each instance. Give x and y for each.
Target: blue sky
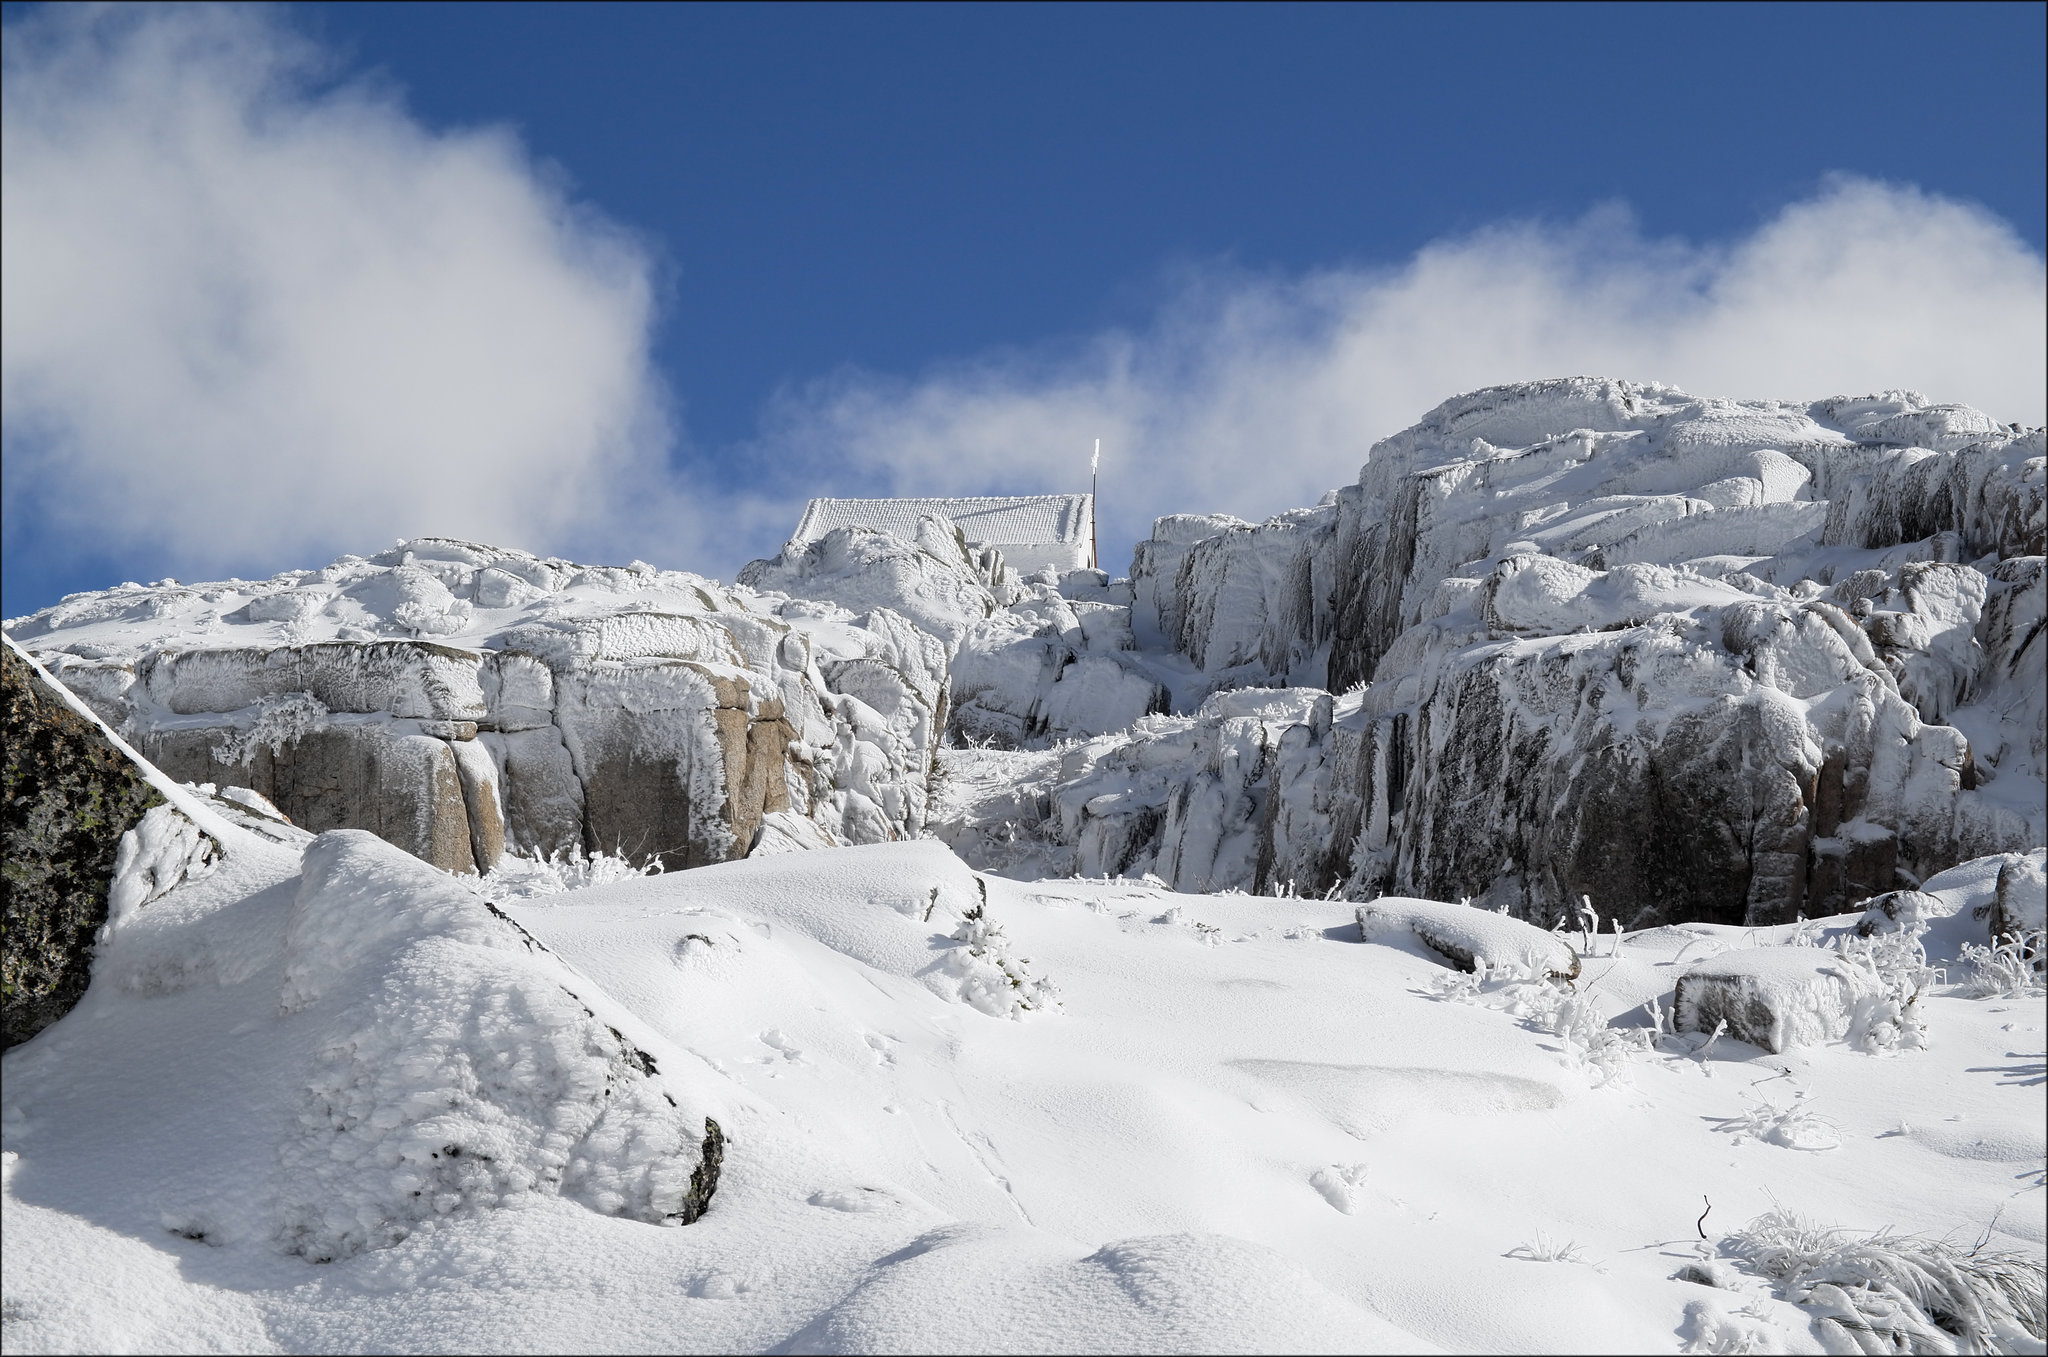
(884, 249)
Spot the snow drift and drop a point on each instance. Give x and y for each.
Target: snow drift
(457, 1069)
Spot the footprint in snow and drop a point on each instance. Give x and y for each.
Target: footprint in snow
(853, 1199)
(776, 1039)
(1340, 1185)
(719, 1286)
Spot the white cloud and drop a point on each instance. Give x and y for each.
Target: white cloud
(247, 318)
(1254, 394)
(253, 318)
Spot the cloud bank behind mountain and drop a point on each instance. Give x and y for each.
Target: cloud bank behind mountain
(255, 314)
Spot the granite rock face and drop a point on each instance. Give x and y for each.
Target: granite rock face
(459, 701)
(70, 796)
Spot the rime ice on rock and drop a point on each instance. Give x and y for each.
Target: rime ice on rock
(458, 699)
(1773, 997)
(1700, 659)
(1727, 661)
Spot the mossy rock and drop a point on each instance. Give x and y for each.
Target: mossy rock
(70, 796)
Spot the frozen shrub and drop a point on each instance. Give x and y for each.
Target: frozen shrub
(1544, 1249)
(2010, 968)
(991, 978)
(280, 721)
(1899, 1293)
(1602, 1052)
(1886, 1018)
(521, 877)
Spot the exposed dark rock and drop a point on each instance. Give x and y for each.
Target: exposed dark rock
(70, 796)
(405, 789)
(704, 1178)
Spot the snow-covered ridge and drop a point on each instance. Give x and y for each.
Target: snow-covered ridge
(1724, 660)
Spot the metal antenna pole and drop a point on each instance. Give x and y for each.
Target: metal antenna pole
(1094, 471)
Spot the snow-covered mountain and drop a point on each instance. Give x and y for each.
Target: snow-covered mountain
(1699, 659)
(1377, 929)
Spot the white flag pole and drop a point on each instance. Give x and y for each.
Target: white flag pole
(1094, 468)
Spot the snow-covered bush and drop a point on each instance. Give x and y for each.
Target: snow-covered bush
(1886, 1019)
(2008, 969)
(281, 720)
(519, 876)
(1899, 1293)
(1602, 1052)
(992, 979)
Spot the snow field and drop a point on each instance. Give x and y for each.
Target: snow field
(1239, 1128)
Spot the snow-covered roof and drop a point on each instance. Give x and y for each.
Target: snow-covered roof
(994, 519)
(1030, 530)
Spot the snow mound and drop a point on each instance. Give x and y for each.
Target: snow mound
(457, 1070)
(988, 1290)
(1468, 938)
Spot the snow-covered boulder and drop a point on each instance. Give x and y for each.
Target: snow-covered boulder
(1468, 938)
(936, 581)
(1773, 997)
(2020, 908)
(457, 1068)
(70, 798)
(784, 831)
(1900, 911)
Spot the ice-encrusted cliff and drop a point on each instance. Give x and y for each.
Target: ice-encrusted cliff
(1701, 659)
(457, 698)
(1030, 659)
